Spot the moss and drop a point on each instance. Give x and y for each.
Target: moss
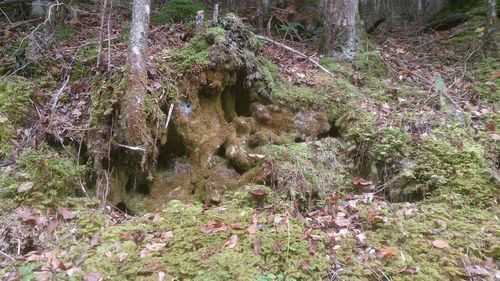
(65, 32)
(55, 176)
(306, 172)
(412, 237)
(177, 11)
(6, 136)
(191, 254)
(371, 64)
(15, 99)
(197, 50)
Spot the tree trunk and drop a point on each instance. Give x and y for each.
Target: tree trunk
(341, 29)
(492, 16)
(132, 116)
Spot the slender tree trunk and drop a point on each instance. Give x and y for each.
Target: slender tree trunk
(341, 28)
(133, 118)
(492, 16)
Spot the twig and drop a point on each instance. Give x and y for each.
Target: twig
(134, 148)
(109, 34)
(6, 255)
(103, 14)
(295, 52)
(60, 91)
(5, 16)
(169, 115)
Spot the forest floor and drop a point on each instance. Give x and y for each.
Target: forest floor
(403, 186)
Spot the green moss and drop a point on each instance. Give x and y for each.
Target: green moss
(306, 172)
(177, 11)
(197, 50)
(15, 99)
(65, 32)
(193, 255)
(371, 64)
(55, 176)
(6, 136)
(412, 236)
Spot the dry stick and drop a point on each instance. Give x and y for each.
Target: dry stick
(103, 14)
(169, 115)
(6, 255)
(6, 16)
(295, 52)
(109, 34)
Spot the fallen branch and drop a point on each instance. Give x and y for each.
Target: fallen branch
(295, 52)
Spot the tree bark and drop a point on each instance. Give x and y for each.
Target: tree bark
(341, 28)
(132, 116)
(492, 16)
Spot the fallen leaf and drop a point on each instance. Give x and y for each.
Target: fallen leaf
(231, 243)
(154, 217)
(52, 226)
(477, 270)
(166, 235)
(121, 256)
(67, 214)
(213, 227)
(341, 222)
(43, 276)
(387, 252)
(28, 217)
(489, 264)
(256, 246)
(153, 247)
(252, 229)
(490, 126)
(93, 276)
(73, 270)
(237, 226)
(25, 186)
(305, 264)
(440, 244)
(94, 240)
(361, 182)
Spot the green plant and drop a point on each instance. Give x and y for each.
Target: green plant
(177, 11)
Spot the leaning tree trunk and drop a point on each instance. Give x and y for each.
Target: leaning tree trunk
(341, 28)
(132, 117)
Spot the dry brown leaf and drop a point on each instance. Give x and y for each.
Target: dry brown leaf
(66, 213)
(154, 217)
(361, 182)
(440, 244)
(237, 226)
(25, 186)
(94, 240)
(231, 243)
(43, 276)
(252, 229)
(93, 276)
(341, 222)
(256, 246)
(387, 253)
(121, 256)
(28, 217)
(305, 265)
(213, 227)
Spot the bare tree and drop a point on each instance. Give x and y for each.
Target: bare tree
(341, 30)
(132, 116)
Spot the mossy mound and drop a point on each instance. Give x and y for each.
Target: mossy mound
(401, 247)
(42, 177)
(186, 242)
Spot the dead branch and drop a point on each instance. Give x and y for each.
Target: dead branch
(295, 52)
